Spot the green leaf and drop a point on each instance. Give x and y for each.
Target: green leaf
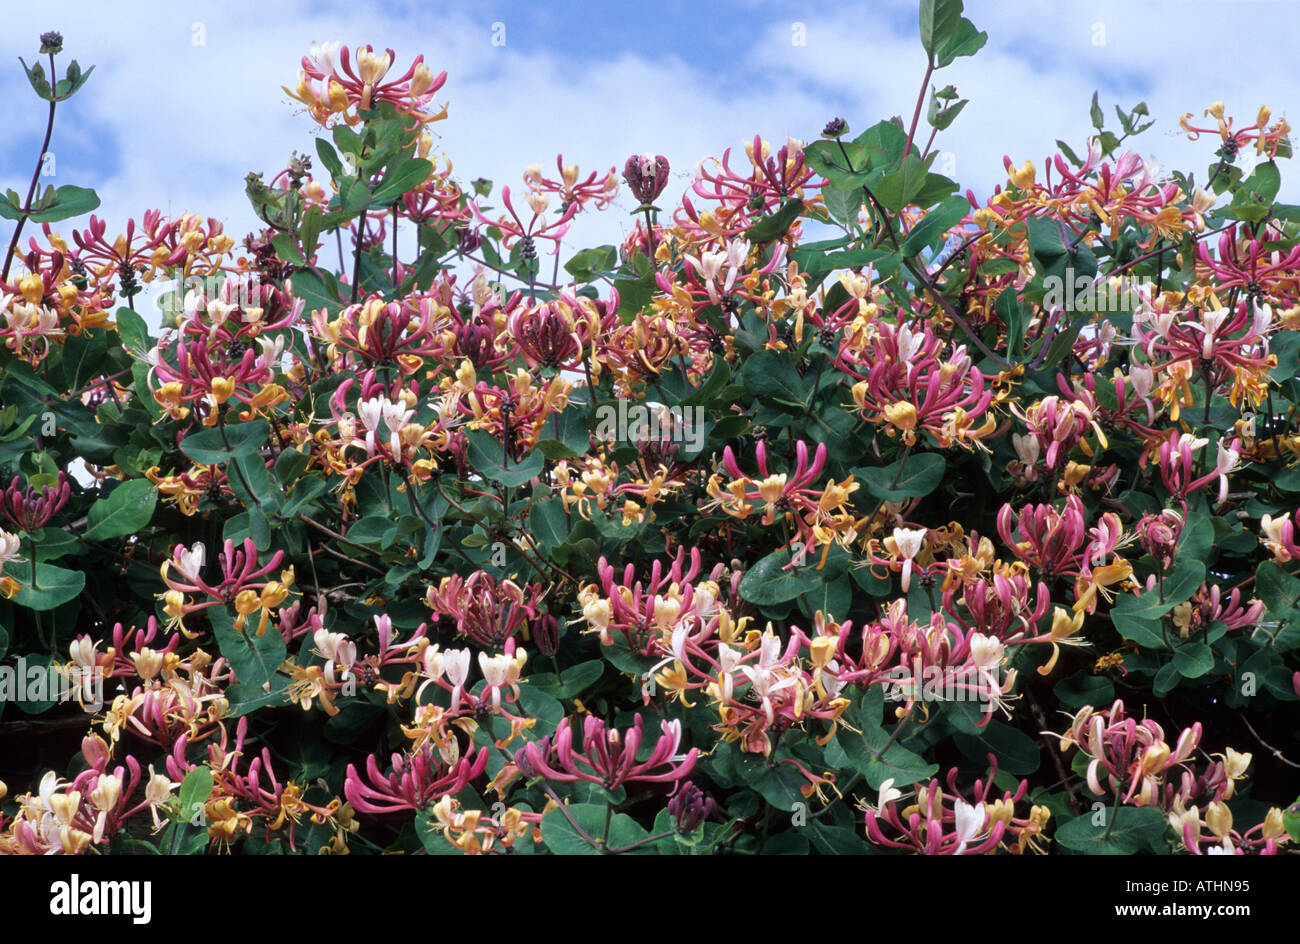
(548, 522)
(565, 435)
(1277, 589)
(817, 263)
(255, 659)
(1197, 538)
(1193, 659)
(373, 529)
(75, 80)
(635, 293)
(133, 331)
(36, 76)
(1134, 829)
(1058, 266)
(329, 157)
(401, 179)
(842, 205)
(935, 188)
(827, 159)
(920, 476)
(83, 357)
(574, 681)
(51, 544)
(194, 793)
(773, 227)
(1138, 617)
(933, 229)
(772, 375)
(768, 583)
(779, 784)
(585, 265)
(899, 189)
(1261, 186)
(866, 752)
(354, 196)
(127, 509)
(487, 455)
(831, 597)
(1095, 112)
(45, 686)
(965, 40)
(1084, 688)
(54, 586)
(208, 447)
(1291, 820)
(1015, 315)
(1016, 751)
(562, 839)
(941, 118)
(308, 285)
(287, 249)
(939, 19)
(69, 201)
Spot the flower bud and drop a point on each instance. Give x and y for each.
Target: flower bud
(524, 761)
(1158, 535)
(95, 751)
(107, 792)
(646, 176)
(545, 632)
(835, 128)
(689, 808)
(1218, 818)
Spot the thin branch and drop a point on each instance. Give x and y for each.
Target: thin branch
(36, 176)
(1271, 749)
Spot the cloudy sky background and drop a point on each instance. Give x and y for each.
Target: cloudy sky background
(170, 122)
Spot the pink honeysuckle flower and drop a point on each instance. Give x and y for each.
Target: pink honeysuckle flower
(608, 756)
(416, 781)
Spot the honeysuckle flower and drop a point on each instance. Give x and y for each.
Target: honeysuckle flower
(539, 226)
(415, 782)
(1123, 749)
(608, 756)
(689, 808)
(30, 510)
(968, 821)
(158, 790)
(570, 189)
(905, 380)
(1097, 580)
(241, 584)
(9, 545)
(1267, 138)
(646, 176)
(502, 671)
(1064, 626)
(330, 85)
(942, 822)
(784, 496)
(907, 544)
(1278, 536)
(1052, 540)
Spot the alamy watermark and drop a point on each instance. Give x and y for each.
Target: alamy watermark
(201, 292)
(622, 421)
(38, 683)
(936, 683)
(1077, 291)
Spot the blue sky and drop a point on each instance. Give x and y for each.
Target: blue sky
(167, 121)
